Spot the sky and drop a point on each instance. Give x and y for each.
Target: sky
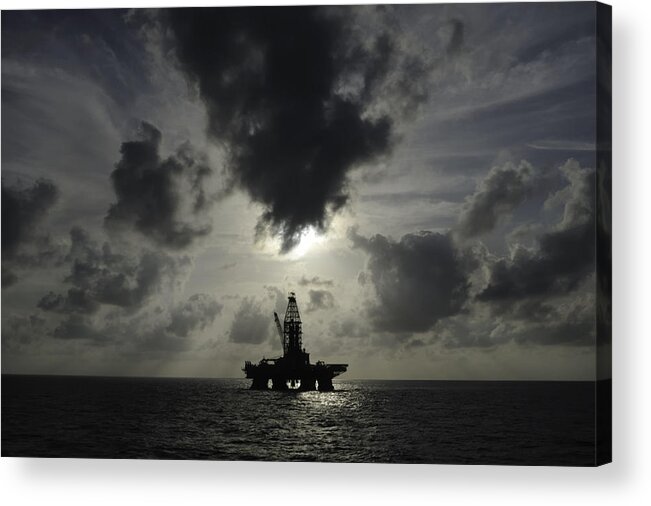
(422, 177)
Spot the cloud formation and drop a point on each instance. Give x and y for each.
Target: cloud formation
(79, 327)
(23, 209)
(75, 301)
(320, 299)
(298, 96)
(8, 277)
(314, 281)
(417, 280)
(251, 323)
(160, 330)
(456, 38)
(348, 326)
(163, 199)
(563, 257)
(172, 331)
(198, 312)
(19, 332)
(499, 193)
(99, 275)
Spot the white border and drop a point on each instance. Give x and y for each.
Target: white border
(626, 481)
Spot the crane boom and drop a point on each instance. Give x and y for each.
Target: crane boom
(280, 331)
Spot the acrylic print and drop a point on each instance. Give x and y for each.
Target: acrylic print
(341, 234)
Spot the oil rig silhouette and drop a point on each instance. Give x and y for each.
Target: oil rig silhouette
(293, 370)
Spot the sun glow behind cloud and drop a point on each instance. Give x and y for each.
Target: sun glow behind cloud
(309, 240)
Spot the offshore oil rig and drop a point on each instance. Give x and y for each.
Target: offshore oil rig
(293, 370)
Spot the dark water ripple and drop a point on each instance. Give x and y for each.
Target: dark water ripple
(538, 423)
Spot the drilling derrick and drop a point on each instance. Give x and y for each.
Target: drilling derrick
(292, 328)
(293, 369)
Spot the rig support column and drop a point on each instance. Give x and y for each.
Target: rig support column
(279, 383)
(260, 383)
(308, 383)
(325, 385)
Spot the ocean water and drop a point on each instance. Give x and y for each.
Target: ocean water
(451, 422)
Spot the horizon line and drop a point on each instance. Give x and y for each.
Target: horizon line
(336, 380)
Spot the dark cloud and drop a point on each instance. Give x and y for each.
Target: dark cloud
(566, 322)
(23, 243)
(456, 39)
(417, 280)
(571, 331)
(541, 293)
(279, 298)
(163, 199)
(320, 299)
(315, 281)
(298, 96)
(157, 331)
(75, 301)
(348, 327)
(80, 327)
(499, 193)
(101, 276)
(198, 312)
(251, 323)
(18, 332)
(564, 256)
(561, 262)
(22, 209)
(569, 322)
(172, 332)
(8, 277)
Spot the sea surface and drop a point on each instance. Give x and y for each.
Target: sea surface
(451, 422)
